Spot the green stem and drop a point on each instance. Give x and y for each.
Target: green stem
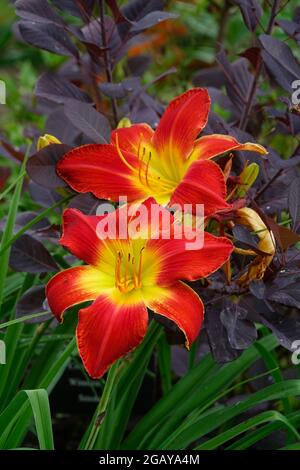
(32, 223)
(22, 319)
(12, 185)
(102, 405)
(9, 226)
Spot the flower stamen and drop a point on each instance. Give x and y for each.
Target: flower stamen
(132, 168)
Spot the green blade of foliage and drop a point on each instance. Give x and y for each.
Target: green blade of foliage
(50, 355)
(37, 403)
(295, 446)
(47, 382)
(200, 387)
(8, 230)
(7, 243)
(12, 185)
(23, 319)
(255, 436)
(164, 363)
(218, 418)
(270, 360)
(250, 423)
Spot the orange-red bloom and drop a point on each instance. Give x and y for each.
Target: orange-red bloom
(124, 276)
(169, 164)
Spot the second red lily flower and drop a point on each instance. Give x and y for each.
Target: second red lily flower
(169, 164)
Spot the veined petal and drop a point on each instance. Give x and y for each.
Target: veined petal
(97, 239)
(177, 259)
(73, 286)
(80, 235)
(180, 124)
(99, 169)
(203, 183)
(107, 331)
(210, 146)
(131, 138)
(182, 305)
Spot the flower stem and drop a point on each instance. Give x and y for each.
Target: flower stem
(102, 405)
(106, 56)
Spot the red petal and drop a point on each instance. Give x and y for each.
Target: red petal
(130, 138)
(177, 260)
(107, 331)
(100, 170)
(80, 236)
(203, 183)
(210, 146)
(180, 124)
(182, 305)
(71, 287)
(82, 233)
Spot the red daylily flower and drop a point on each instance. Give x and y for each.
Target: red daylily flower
(169, 164)
(125, 276)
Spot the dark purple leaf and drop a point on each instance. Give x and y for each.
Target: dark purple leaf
(284, 236)
(136, 9)
(238, 79)
(30, 256)
(280, 62)
(284, 289)
(86, 203)
(294, 200)
(120, 90)
(286, 330)
(296, 15)
(243, 235)
(33, 301)
(68, 134)
(258, 289)
(12, 151)
(286, 297)
(81, 8)
(41, 229)
(44, 196)
(241, 332)
(285, 164)
(180, 355)
(89, 121)
(58, 90)
(139, 64)
(92, 37)
(162, 76)
(251, 11)
(151, 19)
(289, 27)
(48, 36)
(218, 336)
(40, 11)
(22, 219)
(41, 167)
(212, 76)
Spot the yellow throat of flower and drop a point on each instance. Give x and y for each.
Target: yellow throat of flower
(128, 271)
